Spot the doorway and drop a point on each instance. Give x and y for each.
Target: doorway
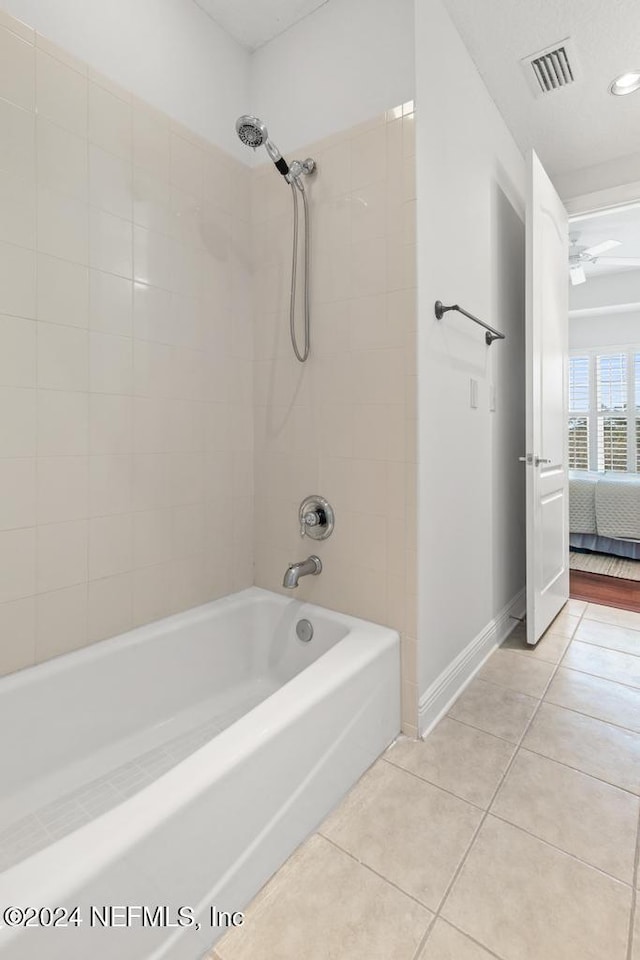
(603, 426)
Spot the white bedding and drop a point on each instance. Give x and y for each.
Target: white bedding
(605, 504)
(582, 503)
(618, 507)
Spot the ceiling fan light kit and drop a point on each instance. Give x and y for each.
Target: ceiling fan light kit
(577, 275)
(579, 256)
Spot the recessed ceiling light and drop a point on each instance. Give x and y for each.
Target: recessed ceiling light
(625, 83)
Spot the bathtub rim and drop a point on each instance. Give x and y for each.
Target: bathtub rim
(100, 649)
(62, 868)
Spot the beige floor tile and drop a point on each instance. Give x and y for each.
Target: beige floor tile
(459, 758)
(610, 664)
(323, 904)
(527, 901)
(603, 699)
(585, 817)
(550, 647)
(493, 709)
(447, 943)
(511, 670)
(565, 623)
(409, 831)
(600, 749)
(575, 607)
(622, 618)
(610, 635)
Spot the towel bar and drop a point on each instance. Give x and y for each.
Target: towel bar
(489, 336)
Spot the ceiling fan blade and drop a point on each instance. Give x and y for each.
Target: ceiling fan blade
(620, 261)
(577, 275)
(599, 248)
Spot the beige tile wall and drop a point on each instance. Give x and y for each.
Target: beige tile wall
(126, 425)
(344, 424)
(129, 254)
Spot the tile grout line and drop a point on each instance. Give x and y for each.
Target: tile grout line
(572, 856)
(518, 747)
(603, 646)
(582, 713)
(482, 946)
(501, 686)
(634, 896)
(598, 676)
(483, 820)
(416, 776)
(604, 623)
(611, 623)
(467, 723)
(591, 716)
(519, 826)
(372, 870)
(560, 664)
(577, 769)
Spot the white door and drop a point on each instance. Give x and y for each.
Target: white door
(547, 326)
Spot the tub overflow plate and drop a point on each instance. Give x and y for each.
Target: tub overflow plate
(304, 629)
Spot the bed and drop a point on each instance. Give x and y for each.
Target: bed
(604, 513)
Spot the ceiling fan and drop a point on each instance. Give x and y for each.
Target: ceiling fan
(579, 255)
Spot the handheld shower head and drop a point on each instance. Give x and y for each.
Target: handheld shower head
(253, 133)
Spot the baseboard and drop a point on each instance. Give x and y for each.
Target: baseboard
(437, 699)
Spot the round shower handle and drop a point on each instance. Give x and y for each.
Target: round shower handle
(316, 518)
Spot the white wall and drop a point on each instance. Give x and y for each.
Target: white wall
(605, 311)
(167, 52)
(602, 176)
(471, 179)
(612, 289)
(604, 330)
(350, 60)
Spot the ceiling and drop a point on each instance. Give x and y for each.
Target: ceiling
(573, 127)
(621, 224)
(254, 22)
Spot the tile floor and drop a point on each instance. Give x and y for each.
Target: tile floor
(510, 833)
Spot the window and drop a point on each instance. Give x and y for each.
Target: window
(604, 410)
(612, 443)
(578, 443)
(612, 392)
(578, 403)
(579, 383)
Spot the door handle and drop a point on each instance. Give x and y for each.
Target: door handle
(531, 460)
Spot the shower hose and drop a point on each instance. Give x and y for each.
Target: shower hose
(298, 186)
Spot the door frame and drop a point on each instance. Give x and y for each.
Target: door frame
(601, 201)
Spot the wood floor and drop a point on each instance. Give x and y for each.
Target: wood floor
(609, 591)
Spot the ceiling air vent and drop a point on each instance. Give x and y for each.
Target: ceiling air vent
(552, 68)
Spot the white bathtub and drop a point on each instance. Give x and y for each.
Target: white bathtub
(179, 765)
